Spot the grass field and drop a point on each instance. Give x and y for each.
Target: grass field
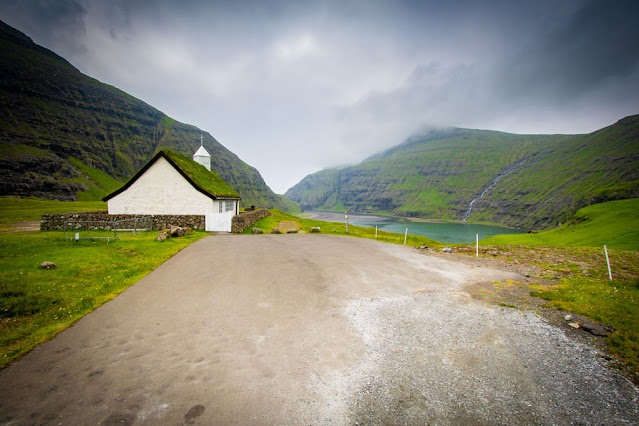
(18, 209)
(614, 303)
(36, 304)
(615, 224)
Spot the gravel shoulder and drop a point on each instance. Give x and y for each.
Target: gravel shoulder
(313, 329)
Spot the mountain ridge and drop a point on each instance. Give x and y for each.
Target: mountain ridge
(59, 129)
(527, 181)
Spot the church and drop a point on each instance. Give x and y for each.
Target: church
(172, 184)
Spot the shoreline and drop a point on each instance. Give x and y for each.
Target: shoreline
(339, 217)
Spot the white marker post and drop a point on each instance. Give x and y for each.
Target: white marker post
(405, 236)
(375, 231)
(608, 263)
(346, 214)
(477, 247)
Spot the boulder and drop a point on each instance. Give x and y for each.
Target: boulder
(163, 235)
(447, 250)
(257, 231)
(315, 229)
(188, 230)
(596, 329)
(177, 231)
(47, 265)
(292, 231)
(275, 231)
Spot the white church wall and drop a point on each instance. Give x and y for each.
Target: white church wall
(161, 190)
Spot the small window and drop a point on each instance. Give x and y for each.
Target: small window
(221, 204)
(230, 206)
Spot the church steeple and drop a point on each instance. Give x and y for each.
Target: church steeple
(202, 156)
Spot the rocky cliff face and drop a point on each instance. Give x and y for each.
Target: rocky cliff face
(51, 113)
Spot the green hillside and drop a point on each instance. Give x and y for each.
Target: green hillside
(574, 173)
(530, 181)
(67, 136)
(614, 224)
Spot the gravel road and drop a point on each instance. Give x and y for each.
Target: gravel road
(312, 329)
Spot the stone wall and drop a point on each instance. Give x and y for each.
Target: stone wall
(248, 218)
(103, 220)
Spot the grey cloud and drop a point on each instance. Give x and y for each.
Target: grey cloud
(58, 25)
(332, 82)
(600, 42)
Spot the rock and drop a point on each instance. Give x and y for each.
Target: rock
(163, 235)
(527, 275)
(596, 329)
(257, 231)
(315, 229)
(573, 324)
(568, 317)
(275, 231)
(447, 250)
(423, 247)
(188, 230)
(292, 231)
(177, 231)
(47, 265)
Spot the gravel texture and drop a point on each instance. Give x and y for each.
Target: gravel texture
(442, 358)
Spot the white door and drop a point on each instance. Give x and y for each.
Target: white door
(218, 222)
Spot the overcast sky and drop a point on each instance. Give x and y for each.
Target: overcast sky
(296, 86)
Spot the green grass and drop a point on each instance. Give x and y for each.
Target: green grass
(615, 303)
(615, 224)
(101, 184)
(18, 209)
(336, 228)
(36, 304)
(207, 180)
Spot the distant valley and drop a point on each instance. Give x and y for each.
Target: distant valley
(525, 181)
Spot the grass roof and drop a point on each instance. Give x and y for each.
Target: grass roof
(208, 181)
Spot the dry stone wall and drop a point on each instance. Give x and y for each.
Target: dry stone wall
(248, 218)
(103, 220)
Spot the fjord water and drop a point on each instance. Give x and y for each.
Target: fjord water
(445, 232)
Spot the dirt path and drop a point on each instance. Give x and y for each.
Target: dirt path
(312, 329)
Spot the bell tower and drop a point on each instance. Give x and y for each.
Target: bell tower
(202, 156)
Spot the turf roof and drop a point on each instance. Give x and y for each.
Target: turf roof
(207, 182)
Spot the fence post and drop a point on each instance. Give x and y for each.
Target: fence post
(608, 263)
(405, 236)
(346, 215)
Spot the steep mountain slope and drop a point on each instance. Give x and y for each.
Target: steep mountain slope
(574, 173)
(517, 180)
(65, 135)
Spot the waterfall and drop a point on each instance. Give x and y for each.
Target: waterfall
(492, 184)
